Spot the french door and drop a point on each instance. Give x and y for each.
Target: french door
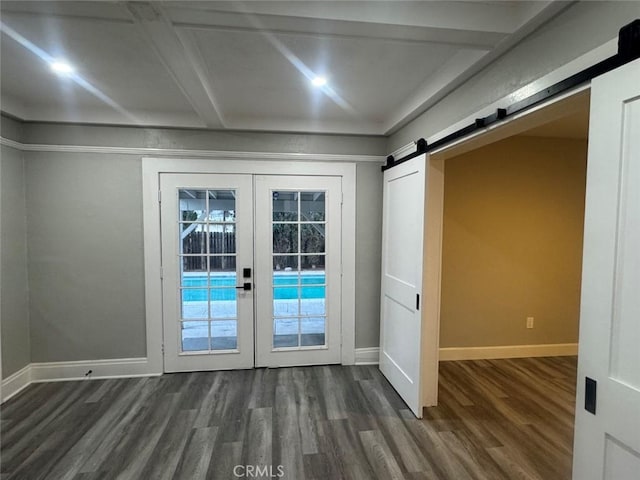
(206, 223)
(298, 270)
(250, 270)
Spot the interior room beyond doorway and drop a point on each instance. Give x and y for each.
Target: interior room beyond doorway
(512, 245)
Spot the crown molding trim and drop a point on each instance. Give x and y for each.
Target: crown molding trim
(179, 152)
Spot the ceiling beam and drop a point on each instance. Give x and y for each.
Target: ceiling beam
(498, 17)
(196, 19)
(182, 59)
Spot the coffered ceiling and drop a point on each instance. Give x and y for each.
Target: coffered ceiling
(250, 65)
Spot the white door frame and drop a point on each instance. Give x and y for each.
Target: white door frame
(152, 167)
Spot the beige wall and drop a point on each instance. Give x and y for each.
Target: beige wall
(512, 243)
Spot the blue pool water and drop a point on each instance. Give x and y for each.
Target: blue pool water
(286, 288)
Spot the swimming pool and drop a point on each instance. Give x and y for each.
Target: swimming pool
(286, 288)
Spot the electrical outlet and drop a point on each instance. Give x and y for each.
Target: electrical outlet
(529, 322)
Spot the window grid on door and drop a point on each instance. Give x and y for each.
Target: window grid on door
(207, 259)
(299, 280)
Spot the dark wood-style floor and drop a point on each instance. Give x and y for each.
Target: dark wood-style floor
(497, 419)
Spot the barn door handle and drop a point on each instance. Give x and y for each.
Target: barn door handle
(245, 286)
(590, 394)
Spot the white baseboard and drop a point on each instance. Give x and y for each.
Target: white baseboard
(110, 368)
(508, 351)
(367, 356)
(77, 370)
(15, 383)
(370, 356)
(139, 367)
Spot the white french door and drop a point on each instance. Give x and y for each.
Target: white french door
(607, 432)
(251, 273)
(207, 228)
(298, 270)
(402, 252)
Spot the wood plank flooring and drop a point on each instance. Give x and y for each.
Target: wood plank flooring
(497, 419)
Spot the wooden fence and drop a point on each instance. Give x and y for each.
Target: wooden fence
(219, 243)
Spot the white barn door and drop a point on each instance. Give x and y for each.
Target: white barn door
(607, 439)
(402, 251)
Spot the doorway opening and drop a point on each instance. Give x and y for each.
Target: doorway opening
(512, 231)
(513, 226)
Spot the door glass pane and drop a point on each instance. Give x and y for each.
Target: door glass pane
(285, 301)
(313, 262)
(285, 206)
(286, 332)
(195, 279)
(222, 238)
(313, 292)
(193, 239)
(312, 331)
(312, 301)
(224, 335)
(222, 206)
(285, 238)
(312, 206)
(195, 265)
(221, 277)
(193, 205)
(285, 263)
(313, 278)
(223, 303)
(193, 271)
(312, 238)
(223, 266)
(194, 303)
(285, 278)
(195, 336)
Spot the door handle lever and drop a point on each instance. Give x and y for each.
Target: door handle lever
(245, 286)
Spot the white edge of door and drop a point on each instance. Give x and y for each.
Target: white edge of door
(431, 279)
(152, 167)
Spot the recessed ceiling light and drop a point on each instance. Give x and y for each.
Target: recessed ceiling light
(319, 81)
(62, 68)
